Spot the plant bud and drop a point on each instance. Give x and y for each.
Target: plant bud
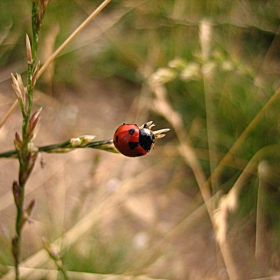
(20, 91)
(75, 142)
(17, 193)
(18, 142)
(33, 125)
(26, 213)
(30, 207)
(28, 50)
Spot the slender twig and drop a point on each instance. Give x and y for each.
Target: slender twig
(64, 147)
(73, 35)
(25, 155)
(10, 111)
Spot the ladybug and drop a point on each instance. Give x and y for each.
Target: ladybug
(134, 141)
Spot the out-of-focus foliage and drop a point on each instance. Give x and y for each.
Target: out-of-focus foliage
(217, 95)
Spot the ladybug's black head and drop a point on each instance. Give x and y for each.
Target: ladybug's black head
(146, 139)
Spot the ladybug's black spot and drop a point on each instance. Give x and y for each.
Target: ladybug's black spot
(131, 131)
(117, 139)
(133, 145)
(146, 139)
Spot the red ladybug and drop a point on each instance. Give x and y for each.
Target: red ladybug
(134, 141)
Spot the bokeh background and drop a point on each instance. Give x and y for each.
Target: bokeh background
(204, 204)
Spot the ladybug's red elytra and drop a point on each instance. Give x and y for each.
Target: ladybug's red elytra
(134, 141)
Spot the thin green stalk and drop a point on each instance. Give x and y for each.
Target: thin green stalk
(35, 28)
(26, 159)
(25, 154)
(66, 146)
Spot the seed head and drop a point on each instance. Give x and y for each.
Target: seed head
(81, 141)
(17, 193)
(26, 213)
(20, 90)
(34, 124)
(75, 142)
(28, 50)
(41, 11)
(18, 142)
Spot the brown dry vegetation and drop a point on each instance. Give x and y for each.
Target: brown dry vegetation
(154, 217)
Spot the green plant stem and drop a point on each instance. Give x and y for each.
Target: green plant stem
(66, 146)
(18, 238)
(26, 163)
(35, 28)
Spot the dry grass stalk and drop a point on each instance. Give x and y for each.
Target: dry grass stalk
(73, 35)
(261, 246)
(207, 72)
(163, 107)
(40, 71)
(238, 143)
(9, 112)
(40, 273)
(220, 214)
(229, 202)
(226, 204)
(186, 224)
(74, 234)
(205, 33)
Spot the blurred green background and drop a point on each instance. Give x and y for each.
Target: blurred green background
(204, 69)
